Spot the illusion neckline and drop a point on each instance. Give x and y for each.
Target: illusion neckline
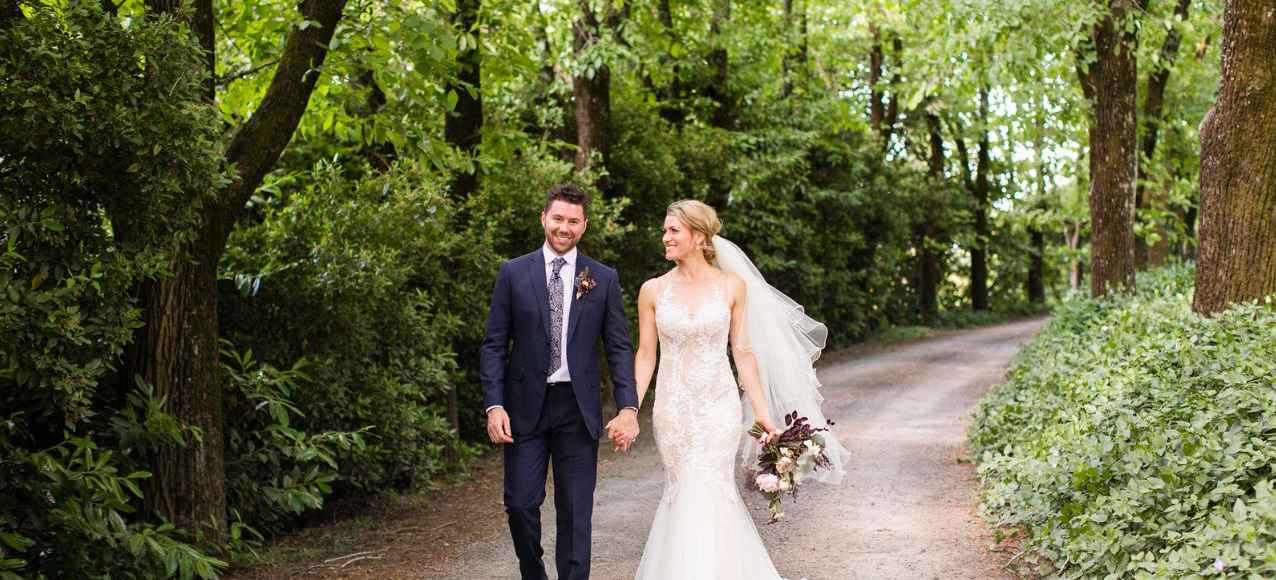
(715, 295)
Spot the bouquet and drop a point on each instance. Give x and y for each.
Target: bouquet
(795, 452)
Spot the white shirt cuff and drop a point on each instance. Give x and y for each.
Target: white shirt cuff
(489, 409)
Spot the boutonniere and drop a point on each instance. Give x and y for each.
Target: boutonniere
(584, 283)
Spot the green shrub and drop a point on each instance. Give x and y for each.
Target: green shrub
(1136, 439)
(91, 201)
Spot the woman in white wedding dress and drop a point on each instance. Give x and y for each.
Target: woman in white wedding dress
(702, 528)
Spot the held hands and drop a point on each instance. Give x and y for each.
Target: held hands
(498, 426)
(623, 429)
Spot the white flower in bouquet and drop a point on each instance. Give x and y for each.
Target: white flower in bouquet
(785, 485)
(768, 482)
(785, 465)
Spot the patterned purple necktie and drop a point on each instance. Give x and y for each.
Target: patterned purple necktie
(556, 316)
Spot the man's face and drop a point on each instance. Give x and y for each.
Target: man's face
(564, 223)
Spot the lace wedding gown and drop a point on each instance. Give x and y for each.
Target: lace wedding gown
(702, 529)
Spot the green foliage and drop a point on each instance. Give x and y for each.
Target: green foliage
(1134, 438)
(377, 284)
(91, 199)
(108, 152)
(72, 510)
(275, 471)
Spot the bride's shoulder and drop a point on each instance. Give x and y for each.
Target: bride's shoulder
(653, 285)
(733, 281)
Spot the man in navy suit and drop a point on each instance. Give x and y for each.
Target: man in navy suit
(542, 394)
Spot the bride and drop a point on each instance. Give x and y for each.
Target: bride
(712, 298)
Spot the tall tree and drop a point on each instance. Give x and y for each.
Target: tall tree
(1113, 150)
(882, 111)
(178, 350)
(1237, 254)
(592, 89)
(977, 184)
(463, 126)
(793, 62)
(724, 114)
(979, 250)
(926, 230)
(1153, 113)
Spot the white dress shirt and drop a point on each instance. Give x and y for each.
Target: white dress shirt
(568, 276)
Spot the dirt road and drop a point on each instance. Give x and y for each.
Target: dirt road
(906, 509)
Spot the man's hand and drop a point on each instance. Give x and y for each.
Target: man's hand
(623, 429)
(498, 426)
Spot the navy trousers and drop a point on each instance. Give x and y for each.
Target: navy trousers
(561, 438)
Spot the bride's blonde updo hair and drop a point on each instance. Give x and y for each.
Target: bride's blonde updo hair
(701, 218)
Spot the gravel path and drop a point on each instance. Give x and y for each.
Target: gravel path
(905, 510)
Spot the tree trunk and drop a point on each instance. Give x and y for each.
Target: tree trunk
(1237, 254)
(1153, 111)
(463, 126)
(463, 129)
(593, 94)
(178, 353)
(882, 112)
(724, 115)
(1036, 287)
(1076, 270)
(180, 359)
(794, 61)
(926, 232)
(979, 250)
(1114, 153)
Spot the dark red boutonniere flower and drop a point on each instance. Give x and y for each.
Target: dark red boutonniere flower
(584, 283)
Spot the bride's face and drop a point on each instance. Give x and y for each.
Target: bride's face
(679, 239)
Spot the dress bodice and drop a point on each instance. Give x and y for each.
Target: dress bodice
(693, 347)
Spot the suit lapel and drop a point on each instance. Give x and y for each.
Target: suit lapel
(573, 318)
(536, 279)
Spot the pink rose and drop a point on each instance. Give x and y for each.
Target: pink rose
(768, 482)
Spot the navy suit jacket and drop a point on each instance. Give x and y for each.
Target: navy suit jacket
(515, 378)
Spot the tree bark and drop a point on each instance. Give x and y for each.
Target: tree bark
(724, 115)
(925, 233)
(1035, 285)
(1113, 153)
(463, 127)
(1153, 113)
(1237, 254)
(178, 353)
(883, 112)
(979, 250)
(794, 61)
(593, 94)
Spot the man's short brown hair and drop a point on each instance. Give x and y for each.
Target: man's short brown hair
(568, 192)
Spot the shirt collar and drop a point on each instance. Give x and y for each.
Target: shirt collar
(549, 255)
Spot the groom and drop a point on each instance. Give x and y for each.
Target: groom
(542, 394)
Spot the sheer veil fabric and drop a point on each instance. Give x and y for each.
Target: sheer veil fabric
(786, 343)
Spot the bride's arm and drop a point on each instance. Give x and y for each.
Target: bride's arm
(742, 352)
(645, 359)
